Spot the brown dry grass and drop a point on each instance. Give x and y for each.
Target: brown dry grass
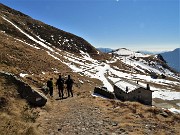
(17, 117)
(24, 58)
(140, 119)
(12, 125)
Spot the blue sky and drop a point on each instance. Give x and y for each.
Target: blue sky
(151, 25)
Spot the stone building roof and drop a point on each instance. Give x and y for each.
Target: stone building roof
(126, 84)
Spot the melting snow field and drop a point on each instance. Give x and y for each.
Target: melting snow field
(166, 95)
(174, 110)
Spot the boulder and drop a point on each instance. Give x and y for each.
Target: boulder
(32, 96)
(164, 114)
(45, 90)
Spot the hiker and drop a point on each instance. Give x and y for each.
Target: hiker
(50, 86)
(69, 82)
(60, 86)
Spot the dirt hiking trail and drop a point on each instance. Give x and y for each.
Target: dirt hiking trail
(84, 114)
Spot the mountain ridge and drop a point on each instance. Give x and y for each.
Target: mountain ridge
(60, 39)
(173, 58)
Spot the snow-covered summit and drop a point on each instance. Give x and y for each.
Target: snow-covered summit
(123, 52)
(127, 52)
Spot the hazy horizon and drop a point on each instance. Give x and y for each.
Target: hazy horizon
(144, 49)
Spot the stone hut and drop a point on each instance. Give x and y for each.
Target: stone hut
(130, 91)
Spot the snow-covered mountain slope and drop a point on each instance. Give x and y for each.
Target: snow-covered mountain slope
(173, 58)
(142, 62)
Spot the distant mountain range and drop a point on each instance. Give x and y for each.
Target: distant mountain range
(105, 50)
(173, 58)
(151, 52)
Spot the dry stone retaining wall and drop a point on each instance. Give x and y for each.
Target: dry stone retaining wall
(26, 91)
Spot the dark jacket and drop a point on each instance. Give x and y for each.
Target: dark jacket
(69, 83)
(60, 82)
(49, 83)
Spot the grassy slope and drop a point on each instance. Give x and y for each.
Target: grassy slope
(17, 117)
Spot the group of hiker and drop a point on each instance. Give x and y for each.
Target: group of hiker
(60, 86)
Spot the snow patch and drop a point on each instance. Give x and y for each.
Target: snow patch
(22, 75)
(166, 95)
(30, 37)
(174, 110)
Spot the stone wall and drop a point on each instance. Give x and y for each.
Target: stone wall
(120, 94)
(104, 92)
(32, 96)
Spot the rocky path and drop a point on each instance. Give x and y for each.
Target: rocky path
(86, 115)
(74, 116)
